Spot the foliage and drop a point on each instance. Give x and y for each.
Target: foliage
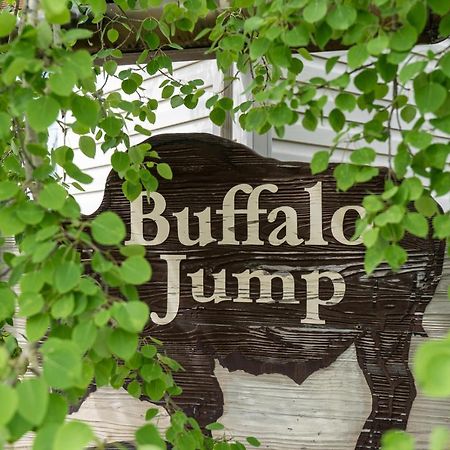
(83, 319)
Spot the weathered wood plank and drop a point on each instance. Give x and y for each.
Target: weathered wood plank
(255, 364)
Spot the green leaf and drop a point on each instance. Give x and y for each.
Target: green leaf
(45, 437)
(411, 70)
(233, 43)
(441, 225)
(62, 83)
(444, 26)
(357, 55)
(62, 363)
(345, 175)
(108, 229)
(98, 8)
(57, 409)
(135, 270)
(149, 435)
(63, 307)
(120, 161)
(164, 171)
(217, 116)
(112, 126)
(42, 112)
(30, 213)
(9, 401)
(440, 7)
(151, 413)
(122, 343)
(319, 162)
(310, 121)
(253, 441)
(56, 12)
(397, 440)
(112, 35)
(259, 47)
(416, 224)
(341, 17)
(8, 189)
(370, 237)
(404, 38)
(30, 303)
(315, 11)
(7, 23)
(5, 125)
(37, 326)
(134, 389)
(426, 206)
(84, 335)
(52, 196)
(255, 119)
(430, 97)
(394, 214)
(10, 224)
(33, 400)
(214, 426)
(346, 102)
(73, 35)
(85, 110)
(395, 255)
(7, 304)
(373, 257)
(442, 123)
(414, 187)
(377, 45)
(440, 438)
(336, 119)
(366, 80)
(365, 155)
(155, 389)
(131, 316)
(73, 435)
(432, 367)
(296, 37)
(445, 64)
(408, 113)
(66, 276)
(149, 351)
(80, 62)
(87, 146)
(176, 100)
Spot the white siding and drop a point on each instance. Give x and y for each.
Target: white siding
(179, 120)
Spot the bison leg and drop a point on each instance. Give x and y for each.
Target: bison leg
(202, 397)
(383, 358)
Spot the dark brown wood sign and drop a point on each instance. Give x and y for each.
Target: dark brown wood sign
(254, 266)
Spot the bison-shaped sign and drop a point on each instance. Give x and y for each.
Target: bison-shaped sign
(254, 265)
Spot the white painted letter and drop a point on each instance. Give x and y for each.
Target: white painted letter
(228, 212)
(315, 215)
(137, 217)
(337, 224)
(204, 227)
(253, 213)
(198, 287)
(290, 225)
(312, 294)
(265, 286)
(173, 289)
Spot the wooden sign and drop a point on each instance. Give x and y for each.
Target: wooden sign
(254, 266)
